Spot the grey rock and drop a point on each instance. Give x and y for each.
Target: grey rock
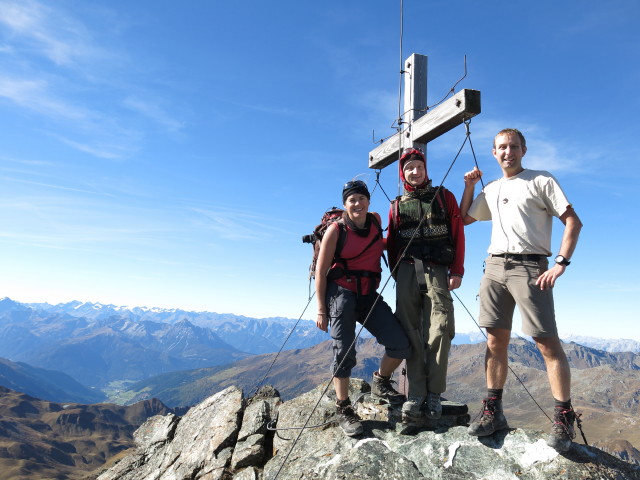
(156, 431)
(255, 419)
(249, 473)
(201, 446)
(209, 443)
(248, 452)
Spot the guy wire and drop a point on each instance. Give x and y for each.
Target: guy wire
(400, 120)
(283, 344)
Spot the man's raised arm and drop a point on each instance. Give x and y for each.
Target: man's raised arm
(470, 180)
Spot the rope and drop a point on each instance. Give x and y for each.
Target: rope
(380, 185)
(271, 425)
(473, 152)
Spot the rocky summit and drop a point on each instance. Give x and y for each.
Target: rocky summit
(261, 438)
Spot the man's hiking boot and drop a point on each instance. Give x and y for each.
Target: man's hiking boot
(414, 409)
(382, 388)
(348, 420)
(562, 432)
(433, 406)
(491, 420)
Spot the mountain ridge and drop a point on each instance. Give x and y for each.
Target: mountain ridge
(44, 439)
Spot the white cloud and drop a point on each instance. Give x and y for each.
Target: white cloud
(82, 91)
(35, 95)
(238, 224)
(101, 149)
(155, 112)
(57, 36)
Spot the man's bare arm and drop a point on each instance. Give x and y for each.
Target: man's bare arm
(470, 180)
(572, 227)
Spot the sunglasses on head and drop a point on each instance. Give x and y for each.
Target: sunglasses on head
(354, 183)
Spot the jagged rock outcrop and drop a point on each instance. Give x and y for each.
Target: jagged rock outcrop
(227, 437)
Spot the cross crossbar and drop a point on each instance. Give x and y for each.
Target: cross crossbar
(446, 116)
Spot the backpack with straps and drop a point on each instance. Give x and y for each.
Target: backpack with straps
(335, 215)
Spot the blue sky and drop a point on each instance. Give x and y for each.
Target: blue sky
(172, 154)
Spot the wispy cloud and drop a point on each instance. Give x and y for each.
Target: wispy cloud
(545, 151)
(155, 112)
(98, 148)
(46, 30)
(79, 84)
(236, 224)
(35, 95)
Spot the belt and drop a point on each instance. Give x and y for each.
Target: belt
(523, 257)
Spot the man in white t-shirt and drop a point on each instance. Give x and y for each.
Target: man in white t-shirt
(521, 206)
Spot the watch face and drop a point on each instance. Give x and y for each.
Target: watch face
(561, 260)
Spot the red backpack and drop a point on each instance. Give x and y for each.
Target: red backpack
(333, 215)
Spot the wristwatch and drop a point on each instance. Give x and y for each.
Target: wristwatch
(562, 260)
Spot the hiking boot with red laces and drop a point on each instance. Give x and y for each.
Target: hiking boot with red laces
(491, 420)
(562, 432)
(382, 387)
(348, 420)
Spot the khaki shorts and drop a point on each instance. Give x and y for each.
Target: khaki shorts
(507, 283)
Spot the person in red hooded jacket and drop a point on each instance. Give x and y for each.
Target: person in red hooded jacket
(425, 244)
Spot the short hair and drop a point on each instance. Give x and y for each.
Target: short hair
(510, 131)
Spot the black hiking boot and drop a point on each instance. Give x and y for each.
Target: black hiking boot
(434, 406)
(491, 420)
(562, 432)
(414, 409)
(348, 420)
(382, 388)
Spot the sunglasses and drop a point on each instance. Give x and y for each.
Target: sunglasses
(354, 183)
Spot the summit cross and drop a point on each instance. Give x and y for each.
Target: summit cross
(422, 126)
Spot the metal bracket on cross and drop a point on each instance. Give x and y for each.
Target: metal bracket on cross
(422, 125)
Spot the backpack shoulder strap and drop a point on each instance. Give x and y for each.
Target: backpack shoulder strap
(375, 221)
(342, 238)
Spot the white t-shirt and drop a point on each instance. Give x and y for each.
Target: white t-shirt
(522, 208)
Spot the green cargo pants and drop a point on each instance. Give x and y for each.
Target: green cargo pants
(429, 323)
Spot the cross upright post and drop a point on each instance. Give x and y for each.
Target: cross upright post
(415, 97)
(417, 125)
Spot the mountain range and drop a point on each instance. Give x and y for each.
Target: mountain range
(107, 348)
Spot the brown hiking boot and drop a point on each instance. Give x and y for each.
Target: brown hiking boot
(562, 432)
(491, 420)
(382, 387)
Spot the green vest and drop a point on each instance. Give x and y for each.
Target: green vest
(432, 240)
